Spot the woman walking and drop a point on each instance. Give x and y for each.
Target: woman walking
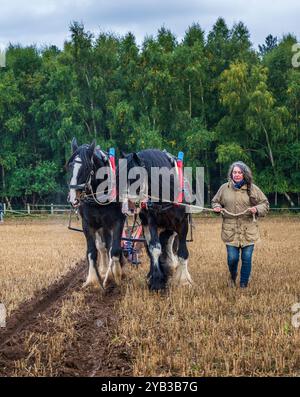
(240, 233)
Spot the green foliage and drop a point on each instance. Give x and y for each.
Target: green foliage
(211, 95)
(39, 180)
(270, 43)
(145, 138)
(228, 153)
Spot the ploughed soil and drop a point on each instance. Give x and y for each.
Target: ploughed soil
(91, 352)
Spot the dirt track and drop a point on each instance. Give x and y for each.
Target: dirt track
(91, 353)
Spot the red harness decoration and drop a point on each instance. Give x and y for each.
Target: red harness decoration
(144, 204)
(179, 162)
(112, 161)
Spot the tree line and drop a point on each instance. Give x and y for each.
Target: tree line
(212, 96)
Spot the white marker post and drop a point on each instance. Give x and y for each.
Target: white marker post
(2, 316)
(2, 56)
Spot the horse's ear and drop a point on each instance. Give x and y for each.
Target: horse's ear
(74, 145)
(92, 147)
(137, 159)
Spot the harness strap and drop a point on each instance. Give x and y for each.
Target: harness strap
(77, 186)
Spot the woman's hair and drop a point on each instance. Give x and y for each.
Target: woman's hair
(247, 174)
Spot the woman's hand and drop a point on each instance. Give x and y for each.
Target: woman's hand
(253, 210)
(217, 209)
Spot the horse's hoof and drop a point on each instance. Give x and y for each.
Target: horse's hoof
(89, 283)
(85, 285)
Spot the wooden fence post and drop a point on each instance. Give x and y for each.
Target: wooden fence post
(52, 210)
(28, 208)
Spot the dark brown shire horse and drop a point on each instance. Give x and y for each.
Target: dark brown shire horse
(163, 221)
(102, 220)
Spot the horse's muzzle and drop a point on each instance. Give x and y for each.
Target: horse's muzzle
(76, 202)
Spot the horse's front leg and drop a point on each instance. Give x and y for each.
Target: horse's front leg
(115, 253)
(157, 278)
(182, 275)
(168, 258)
(103, 244)
(93, 274)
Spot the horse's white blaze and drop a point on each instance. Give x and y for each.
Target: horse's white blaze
(155, 253)
(92, 276)
(182, 275)
(74, 180)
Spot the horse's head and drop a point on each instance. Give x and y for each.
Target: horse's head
(132, 170)
(80, 165)
(133, 160)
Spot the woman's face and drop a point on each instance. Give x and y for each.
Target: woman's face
(237, 174)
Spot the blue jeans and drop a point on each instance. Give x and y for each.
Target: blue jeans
(233, 256)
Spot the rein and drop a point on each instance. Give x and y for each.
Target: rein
(204, 208)
(92, 197)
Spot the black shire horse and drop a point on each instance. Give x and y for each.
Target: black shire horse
(163, 222)
(102, 222)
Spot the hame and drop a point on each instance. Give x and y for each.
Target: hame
(2, 58)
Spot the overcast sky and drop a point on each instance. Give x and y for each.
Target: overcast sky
(47, 21)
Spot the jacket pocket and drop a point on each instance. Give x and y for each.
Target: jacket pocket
(251, 231)
(228, 232)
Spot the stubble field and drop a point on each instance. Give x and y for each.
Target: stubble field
(55, 328)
